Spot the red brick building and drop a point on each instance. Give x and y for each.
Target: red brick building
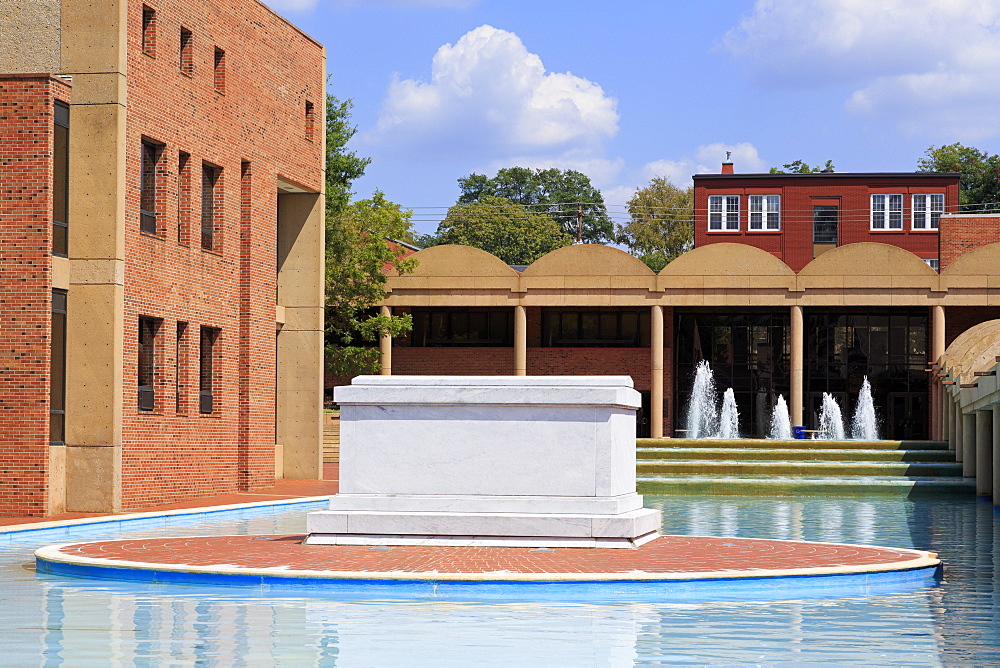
(797, 217)
(161, 177)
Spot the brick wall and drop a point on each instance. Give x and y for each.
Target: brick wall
(851, 193)
(966, 232)
(254, 132)
(26, 145)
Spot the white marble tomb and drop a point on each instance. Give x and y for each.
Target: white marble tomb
(487, 460)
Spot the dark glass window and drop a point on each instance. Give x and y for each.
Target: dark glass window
(209, 179)
(462, 327)
(595, 328)
(148, 327)
(888, 345)
(180, 366)
(825, 223)
(747, 350)
(206, 353)
(57, 374)
(147, 187)
(60, 180)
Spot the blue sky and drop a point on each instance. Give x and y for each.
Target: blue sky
(627, 91)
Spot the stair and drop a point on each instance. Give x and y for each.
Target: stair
(757, 467)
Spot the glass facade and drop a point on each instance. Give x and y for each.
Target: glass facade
(888, 345)
(460, 326)
(747, 350)
(595, 328)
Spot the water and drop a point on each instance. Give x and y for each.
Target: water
(831, 421)
(729, 418)
(781, 424)
(51, 621)
(703, 413)
(864, 426)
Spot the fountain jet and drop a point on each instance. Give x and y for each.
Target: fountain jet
(702, 413)
(729, 421)
(781, 424)
(864, 426)
(831, 420)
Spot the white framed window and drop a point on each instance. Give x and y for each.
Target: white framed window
(927, 210)
(765, 212)
(887, 212)
(724, 213)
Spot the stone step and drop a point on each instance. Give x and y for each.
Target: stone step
(790, 486)
(794, 468)
(778, 454)
(795, 444)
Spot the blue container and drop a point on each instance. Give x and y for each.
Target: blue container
(798, 432)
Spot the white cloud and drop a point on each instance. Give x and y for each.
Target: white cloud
(489, 97)
(928, 64)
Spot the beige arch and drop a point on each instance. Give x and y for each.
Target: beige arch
(587, 260)
(968, 346)
(456, 260)
(727, 259)
(985, 260)
(868, 259)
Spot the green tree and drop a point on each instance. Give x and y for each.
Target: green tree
(561, 194)
(799, 167)
(502, 227)
(660, 223)
(979, 187)
(357, 254)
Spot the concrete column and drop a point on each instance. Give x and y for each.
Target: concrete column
(937, 352)
(996, 455)
(984, 452)
(947, 415)
(797, 349)
(385, 347)
(520, 341)
(656, 372)
(955, 442)
(969, 445)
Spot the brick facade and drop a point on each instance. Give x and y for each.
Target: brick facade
(26, 152)
(966, 232)
(799, 193)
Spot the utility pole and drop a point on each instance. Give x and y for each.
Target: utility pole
(579, 223)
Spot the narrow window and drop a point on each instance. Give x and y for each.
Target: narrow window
(310, 120)
(220, 70)
(887, 212)
(724, 212)
(205, 360)
(149, 31)
(765, 212)
(180, 366)
(209, 179)
(826, 221)
(927, 210)
(183, 198)
(60, 180)
(148, 328)
(147, 187)
(187, 61)
(57, 373)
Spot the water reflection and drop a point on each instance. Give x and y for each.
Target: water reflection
(58, 621)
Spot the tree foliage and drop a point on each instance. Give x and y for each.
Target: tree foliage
(800, 167)
(560, 194)
(357, 254)
(502, 227)
(979, 188)
(660, 223)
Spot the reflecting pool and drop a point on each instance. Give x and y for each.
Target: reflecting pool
(50, 620)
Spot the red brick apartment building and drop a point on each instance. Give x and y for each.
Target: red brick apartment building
(161, 282)
(797, 217)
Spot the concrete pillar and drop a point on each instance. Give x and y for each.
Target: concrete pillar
(520, 341)
(984, 452)
(955, 442)
(969, 445)
(937, 352)
(947, 415)
(385, 347)
(797, 349)
(656, 372)
(996, 455)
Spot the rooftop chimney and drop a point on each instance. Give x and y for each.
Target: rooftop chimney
(727, 168)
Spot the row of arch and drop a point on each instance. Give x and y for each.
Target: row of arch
(721, 259)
